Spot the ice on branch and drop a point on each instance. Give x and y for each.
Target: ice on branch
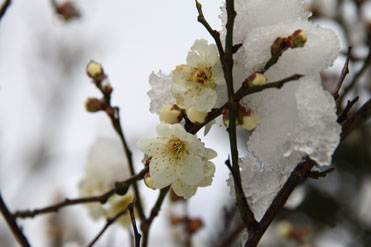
(160, 94)
(295, 121)
(179, 159)
(106, 165)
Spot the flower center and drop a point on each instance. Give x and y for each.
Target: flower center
(202, 75)
(177, 148)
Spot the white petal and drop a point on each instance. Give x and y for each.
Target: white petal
(205, 100)
(209, 170)
(210, 154)
(182, 73)
(162, 170)
(151, 145)
(164, 130)
(184, 93)
(191, 170)
(186, 191)
(218, 74)
(202, 54)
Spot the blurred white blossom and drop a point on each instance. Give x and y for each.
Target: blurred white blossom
(178, 158)
(106, 165)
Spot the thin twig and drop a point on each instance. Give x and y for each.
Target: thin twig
(344, 73)
(361, 115)
(109, 222)
(146, 225)
(357, 76)
(116, 123)
(317, 174)
(4, 8)
(215, 34)
(227, 64)
(114, 115)
(344, 115)
(119, 187)
(242, 92)
(137, 235)
(10, 219)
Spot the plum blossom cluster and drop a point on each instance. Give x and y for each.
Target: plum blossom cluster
(286, 124)
(176, 157)
(106, 165)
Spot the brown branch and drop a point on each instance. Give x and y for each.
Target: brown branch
(361, 115)
(137, 235)
(242, 92)
(317, 174)
(4, 8)
(227, 64)
(215, 34)
(250, 218)
(300, 173)
(357, 76)
(109, 222)
(10, 219)
(344, 73)
(146, 224)
(120, 188)
(114, 115)
(344, 115)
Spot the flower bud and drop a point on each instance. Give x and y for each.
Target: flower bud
(278, 45)
(148, 181)
(176, 220)
(195, 116)
(93, 105)
(94, 70)
(225, 113)
(284, 228)
(256, 79)
(297, 39)
(194, 225)
(249, 122)
(171, 114)
(67, 11)
(107, 89)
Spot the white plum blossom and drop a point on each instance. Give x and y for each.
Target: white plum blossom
(194, 82)
(179, 159)
(106, 165)
(295, 121)
(190, 85)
